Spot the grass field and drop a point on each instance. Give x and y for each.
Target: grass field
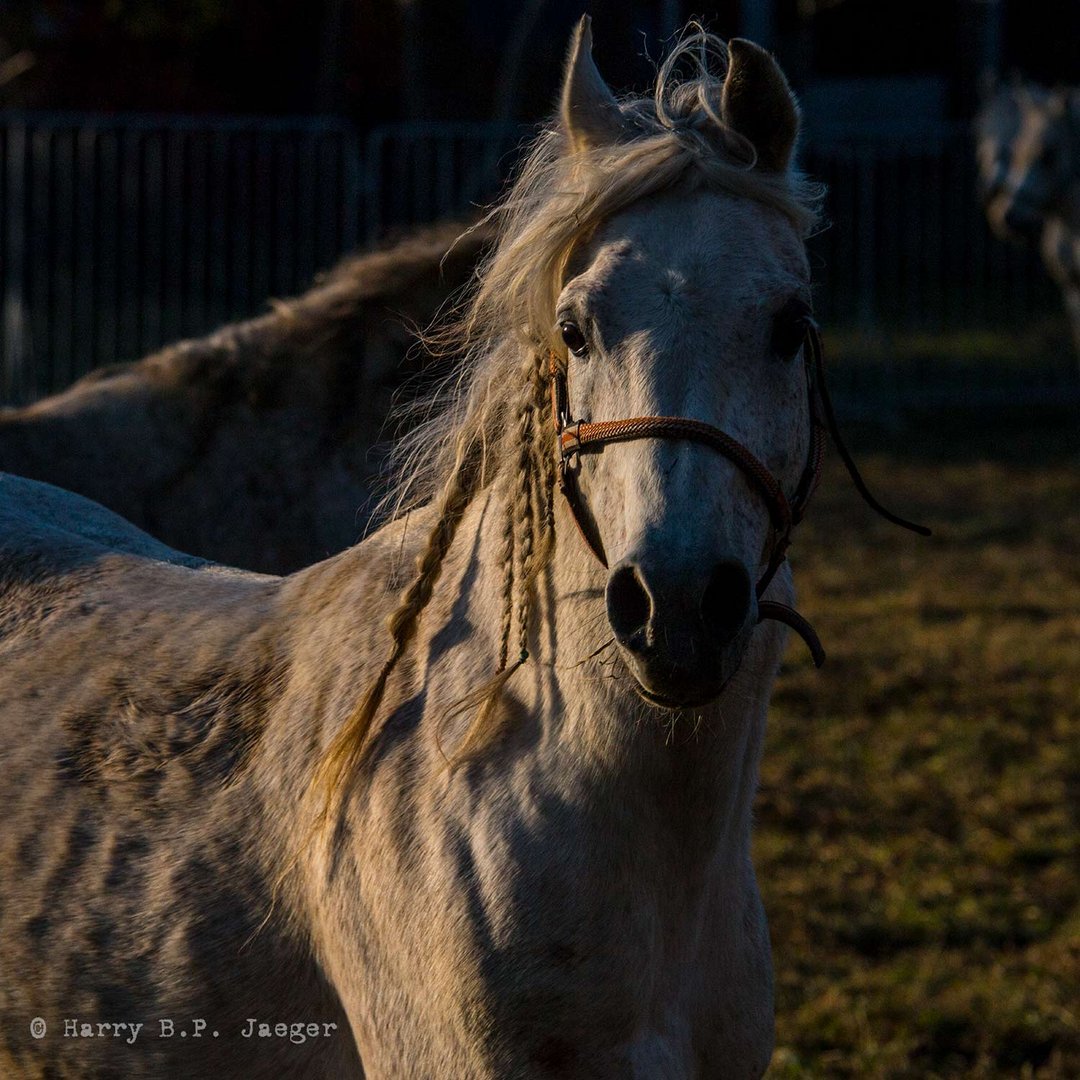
(918, 834)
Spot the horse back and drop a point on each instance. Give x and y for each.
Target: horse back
(94, 613)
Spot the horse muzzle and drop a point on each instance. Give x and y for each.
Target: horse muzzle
(681, 634)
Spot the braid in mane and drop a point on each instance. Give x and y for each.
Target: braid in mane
(509, 549)
(530, 506)
(350, 746)
(524, 516)
(545, 489)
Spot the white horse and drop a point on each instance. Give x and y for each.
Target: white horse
(513, 839)
(1028, 151)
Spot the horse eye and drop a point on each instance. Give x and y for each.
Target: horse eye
(573, 338)
(789, 329)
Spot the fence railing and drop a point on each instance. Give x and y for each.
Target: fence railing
(119, 234)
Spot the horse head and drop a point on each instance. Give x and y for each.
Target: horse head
(692, 304)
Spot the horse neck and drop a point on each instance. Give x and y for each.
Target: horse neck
(571, 724)
(580, 785)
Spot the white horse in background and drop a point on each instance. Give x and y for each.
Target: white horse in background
(1028, 152)
(512, 837)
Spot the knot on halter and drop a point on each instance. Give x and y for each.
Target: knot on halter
(575, 437)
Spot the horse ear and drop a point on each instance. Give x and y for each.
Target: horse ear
(758, 103)
(589, 111)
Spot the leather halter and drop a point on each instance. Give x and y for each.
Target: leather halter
(575, 437)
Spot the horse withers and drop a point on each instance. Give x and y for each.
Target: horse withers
(473, 798)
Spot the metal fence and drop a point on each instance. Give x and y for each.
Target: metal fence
(907, 245)
(119, 234)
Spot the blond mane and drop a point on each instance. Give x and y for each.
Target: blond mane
(488, 426)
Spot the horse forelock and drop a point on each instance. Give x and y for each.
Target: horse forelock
(487, 426)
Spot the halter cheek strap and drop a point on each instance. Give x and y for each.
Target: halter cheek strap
(575, 437)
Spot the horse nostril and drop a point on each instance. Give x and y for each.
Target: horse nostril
(726, 602)
(629, 606)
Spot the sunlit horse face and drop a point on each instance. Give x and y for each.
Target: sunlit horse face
(1028, 157)
(692, 307)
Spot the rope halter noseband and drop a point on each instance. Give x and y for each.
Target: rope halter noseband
(576, 436)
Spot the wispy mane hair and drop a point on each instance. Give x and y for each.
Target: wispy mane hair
(489, 427)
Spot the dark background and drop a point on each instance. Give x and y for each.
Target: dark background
(377, 61)
(166, 167)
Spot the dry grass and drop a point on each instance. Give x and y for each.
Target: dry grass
(918, 833)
